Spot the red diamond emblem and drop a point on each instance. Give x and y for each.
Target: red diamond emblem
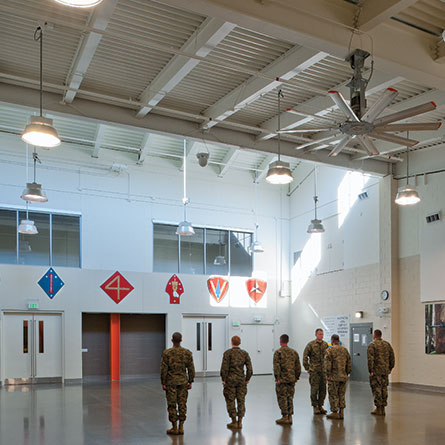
(174, 289)
(117, 287)
(256, 289)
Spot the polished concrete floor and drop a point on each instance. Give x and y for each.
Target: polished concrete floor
(134, 412)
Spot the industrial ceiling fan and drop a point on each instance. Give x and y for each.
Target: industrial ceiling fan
(365, 124)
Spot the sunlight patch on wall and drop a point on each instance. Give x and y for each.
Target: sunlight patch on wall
(348, 190)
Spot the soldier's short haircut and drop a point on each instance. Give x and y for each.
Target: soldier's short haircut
(177, 338)
(378, 333)
(318, 330)
(335, 337)
(284, 339)
(236, 341)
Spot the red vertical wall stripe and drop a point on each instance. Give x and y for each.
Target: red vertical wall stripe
(115, 346)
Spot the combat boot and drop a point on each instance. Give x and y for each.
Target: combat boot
(340, 414)
(317, 410)
(289, 419)
(173, 430)
(282, 421)
(376, 411)
(382, 411)
(322, 410)
(333, 415)
(181, 427)
(233, 424)
(240, 423)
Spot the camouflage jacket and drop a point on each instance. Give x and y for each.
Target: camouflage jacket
(337, 363)
(286, 365)
(232, 366)
(313, 356)
(177, 366)
(380, 357)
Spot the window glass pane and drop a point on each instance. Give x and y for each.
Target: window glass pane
(66, 241)
(240, 258)
(34, 249)
(41, 338)
(192, 253)
(165, 248)
(8, 236)
(216, 252)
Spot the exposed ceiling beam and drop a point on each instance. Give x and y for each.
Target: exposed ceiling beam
(228, 161)
(375, 12)
(145, 148)
(322, 105)
(201, 43)
(285, 67)
(98, 140)
(190, 145)
(89, 42)
(94, 111)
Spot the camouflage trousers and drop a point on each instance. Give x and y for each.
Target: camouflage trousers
(317, 380)
(236, 393)
(285, 396)
(337, 391)
(176, 402)
(379, 387)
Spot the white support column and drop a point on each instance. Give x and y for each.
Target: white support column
(89, 42)
(145, 148)
(201, 43)
(190, 145)
(285, 67)
(98, 140)
(228, 161)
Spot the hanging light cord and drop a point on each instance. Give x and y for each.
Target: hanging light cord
(256, 206)
(185, 199)
(38, 36)
(280, 95)
(315, 191)
(407, 160)
(36, 159)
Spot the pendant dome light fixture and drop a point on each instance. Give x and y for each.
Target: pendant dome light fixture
(26, 226)
(33, 192)
(279, 172)
(220, 259)
(40, 131)
(79, 3)
(185, 227)
(407, 194)
(256, 246)
(316, 225)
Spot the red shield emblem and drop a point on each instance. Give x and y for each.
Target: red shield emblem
(117, 287)
(218, 287)
(256, 289)
(174, 289)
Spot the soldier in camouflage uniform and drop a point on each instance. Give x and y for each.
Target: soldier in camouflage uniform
(287, 370)
(313, 362)
(380, 364)
(235, 381)
(338, 366)
(177, 375)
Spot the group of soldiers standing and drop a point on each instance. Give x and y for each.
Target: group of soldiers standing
(325, 364)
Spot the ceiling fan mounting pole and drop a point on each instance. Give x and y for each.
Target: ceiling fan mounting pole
(357, 85)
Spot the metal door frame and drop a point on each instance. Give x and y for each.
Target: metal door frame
(369, 324)
(32, 380)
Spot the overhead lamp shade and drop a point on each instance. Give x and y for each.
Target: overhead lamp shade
(79, 3)
(407, 195)
(219, 260)
(315, 226)
(27, 227)
(185, 229)
(34, 193)
(256, 247)
(279, 173)
(41, 133)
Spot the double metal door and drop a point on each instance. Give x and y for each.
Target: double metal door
(361, 337)
(206, 338)
(32, 348)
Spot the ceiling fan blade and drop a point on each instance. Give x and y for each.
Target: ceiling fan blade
(315, 116)
(393, 138)
(319, 141)
(306, 130)
(384, 100)
(368, 145)
(339, 147)
(404, 114)
(409, 127)
(343, 105)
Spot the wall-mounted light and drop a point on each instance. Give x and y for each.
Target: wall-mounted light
(359, 314)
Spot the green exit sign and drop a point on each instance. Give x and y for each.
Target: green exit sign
(33, 304)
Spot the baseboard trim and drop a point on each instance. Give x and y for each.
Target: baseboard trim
(72, 381)
(417, 387)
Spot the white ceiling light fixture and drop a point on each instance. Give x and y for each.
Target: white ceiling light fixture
(316, 225)
(185, 227)
(279, 172)
(26, 226)
(79, 3)
(33, 192)
(220, 259)
(256, 246)
(407, 194)
(40, 131)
